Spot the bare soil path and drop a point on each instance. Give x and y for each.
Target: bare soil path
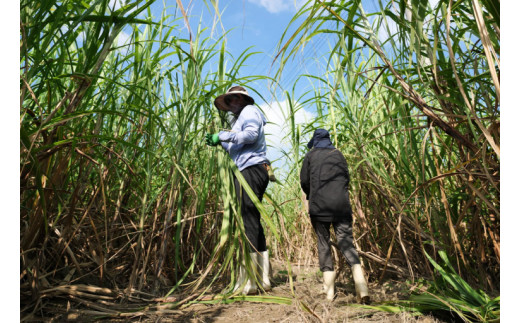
(307, 286)
(308, 304)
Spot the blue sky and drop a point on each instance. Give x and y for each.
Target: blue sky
(258, 24)
(250, 23)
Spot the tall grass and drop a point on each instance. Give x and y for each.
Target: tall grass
(450, 295)
(117, 186)
(412, 100)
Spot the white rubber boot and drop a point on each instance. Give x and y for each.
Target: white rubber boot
(263, 269)
(243, 277)
(361, 284)
(328, 284)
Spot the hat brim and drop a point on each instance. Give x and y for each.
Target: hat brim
(220, 101)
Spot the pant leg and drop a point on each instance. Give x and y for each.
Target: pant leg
(258, 179)
(343, 230)
(322, 230)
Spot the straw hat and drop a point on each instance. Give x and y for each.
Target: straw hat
(220, 101)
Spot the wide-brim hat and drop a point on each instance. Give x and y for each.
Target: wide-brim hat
(220, 101)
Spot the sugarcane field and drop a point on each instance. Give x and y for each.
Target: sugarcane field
(259, 161)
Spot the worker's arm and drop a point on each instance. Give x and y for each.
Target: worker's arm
(305, 176)
(251, 123)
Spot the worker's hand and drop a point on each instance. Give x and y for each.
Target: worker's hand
(212, 139)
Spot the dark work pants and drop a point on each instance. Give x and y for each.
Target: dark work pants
(258, 178)
(343, 230)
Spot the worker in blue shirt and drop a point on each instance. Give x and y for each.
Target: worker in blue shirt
(246, 146)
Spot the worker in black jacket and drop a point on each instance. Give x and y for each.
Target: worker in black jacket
(324, 179)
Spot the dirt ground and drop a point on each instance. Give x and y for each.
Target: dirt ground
(307, 286)
(308, 304)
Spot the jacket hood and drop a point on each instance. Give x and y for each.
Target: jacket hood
(320, 139)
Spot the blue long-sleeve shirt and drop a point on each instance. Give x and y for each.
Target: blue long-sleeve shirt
(245, 143)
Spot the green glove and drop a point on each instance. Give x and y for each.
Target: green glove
(212, 139)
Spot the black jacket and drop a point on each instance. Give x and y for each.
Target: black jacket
(324, 178)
